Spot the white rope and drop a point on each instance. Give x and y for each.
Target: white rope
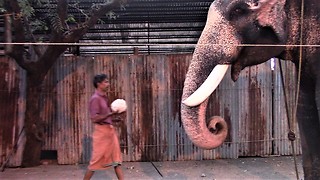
(154, 44)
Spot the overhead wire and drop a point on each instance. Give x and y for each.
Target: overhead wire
(157, 44)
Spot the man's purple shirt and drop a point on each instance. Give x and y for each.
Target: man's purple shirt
(98, 104)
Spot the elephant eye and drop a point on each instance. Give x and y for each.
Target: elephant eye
(238, 12)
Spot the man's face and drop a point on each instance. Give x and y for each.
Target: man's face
(104, 85)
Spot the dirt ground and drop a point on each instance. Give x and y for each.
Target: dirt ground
(242, 168)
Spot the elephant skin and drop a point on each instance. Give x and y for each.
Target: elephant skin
(277, 23)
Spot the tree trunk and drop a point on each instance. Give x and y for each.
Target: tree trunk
(34, 126)
(40, 65)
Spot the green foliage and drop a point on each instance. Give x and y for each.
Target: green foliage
(38, 26)
(26, 9)
(71, 19)
(40, 22)
(57, 24)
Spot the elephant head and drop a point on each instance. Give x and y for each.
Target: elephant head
(232, 30)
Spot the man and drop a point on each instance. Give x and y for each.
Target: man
(105, 147)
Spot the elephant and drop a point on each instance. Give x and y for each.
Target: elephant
(243, 33)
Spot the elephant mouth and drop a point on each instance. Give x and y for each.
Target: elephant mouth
(208, 86)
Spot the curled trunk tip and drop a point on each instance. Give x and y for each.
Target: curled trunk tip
(204, 135)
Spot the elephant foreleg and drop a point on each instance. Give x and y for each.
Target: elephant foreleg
(309, 126)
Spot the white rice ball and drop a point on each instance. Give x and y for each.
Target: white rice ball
(119, 105)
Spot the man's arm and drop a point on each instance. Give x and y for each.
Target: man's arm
(95, 112)
(99, 117)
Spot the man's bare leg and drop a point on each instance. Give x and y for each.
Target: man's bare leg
(119, 172)
(88, 175)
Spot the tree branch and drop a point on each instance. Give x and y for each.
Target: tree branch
(62, 12)
(51, 53)
(8, 33)
(33, 39)
(17, 51)
(76, 33)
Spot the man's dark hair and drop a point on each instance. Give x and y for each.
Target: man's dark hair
(98, 79)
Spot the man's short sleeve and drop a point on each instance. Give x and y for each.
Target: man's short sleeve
(94, 107)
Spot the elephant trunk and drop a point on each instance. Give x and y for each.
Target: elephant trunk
(217, 45)
(203, 135)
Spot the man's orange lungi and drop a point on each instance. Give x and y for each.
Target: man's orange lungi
(105, 148)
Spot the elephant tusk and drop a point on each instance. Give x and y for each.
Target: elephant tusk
(209, 85)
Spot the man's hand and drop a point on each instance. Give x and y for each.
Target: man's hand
(117, 117)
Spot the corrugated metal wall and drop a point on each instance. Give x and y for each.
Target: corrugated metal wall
(152, 130)
(12, 107)
(281, 147)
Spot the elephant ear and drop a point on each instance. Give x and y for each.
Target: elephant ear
(272, 13)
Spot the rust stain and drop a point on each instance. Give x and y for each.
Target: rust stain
(227, 118)
(146, 94)
(9, 90)
(256, 121)
(178, 66)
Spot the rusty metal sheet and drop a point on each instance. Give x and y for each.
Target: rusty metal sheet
(282, 144)
(152, 129)
(12, 106)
